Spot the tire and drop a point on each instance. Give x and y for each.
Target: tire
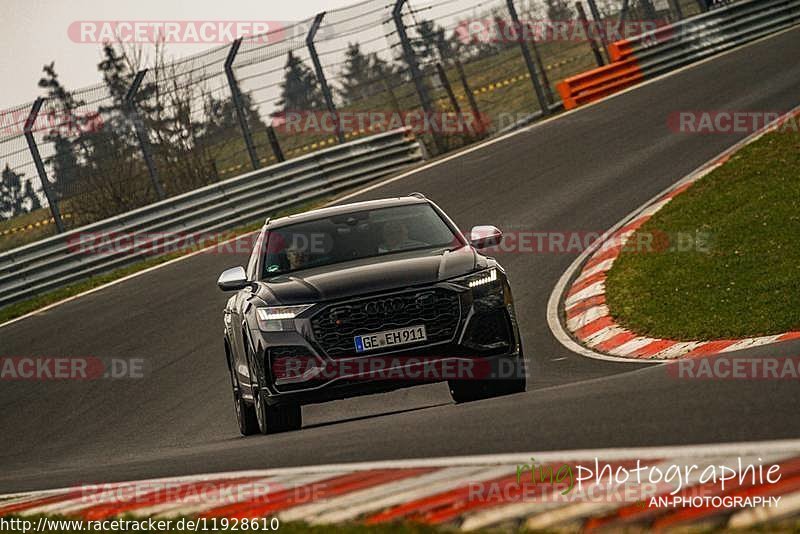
(280, 418)
(245, 413)
(473, 390)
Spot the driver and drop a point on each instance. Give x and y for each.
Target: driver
(395, 237)
(297, 256)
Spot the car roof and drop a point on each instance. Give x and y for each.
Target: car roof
(345, 208)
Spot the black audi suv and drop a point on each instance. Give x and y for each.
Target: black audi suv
(365, 298)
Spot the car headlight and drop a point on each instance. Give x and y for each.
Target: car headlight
(279, 318)
(482, 278)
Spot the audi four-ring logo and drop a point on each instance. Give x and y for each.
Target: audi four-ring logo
(385, 307)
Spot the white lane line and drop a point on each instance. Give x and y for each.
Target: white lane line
(654, 208)
(751, 342)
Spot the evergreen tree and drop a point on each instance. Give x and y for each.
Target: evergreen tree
(431, 40)
(363, 74)
(558, 10)
(299, 89)
(356, 75)
(66, 121)
(16, 197)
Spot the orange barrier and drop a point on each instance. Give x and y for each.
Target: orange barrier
(603, 81)
(624, 49)
(620, 50)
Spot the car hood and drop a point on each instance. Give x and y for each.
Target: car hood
(369, 275)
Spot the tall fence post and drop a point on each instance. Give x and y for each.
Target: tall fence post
(526, 54)
(676, 6)
(545, 80)
(237, 102)
(598, 56)
(141, 134)
(416, 74)
(473, 104)
(451, 96)
(323, 82)
(598, 21)
(273, 142)
(37, 160)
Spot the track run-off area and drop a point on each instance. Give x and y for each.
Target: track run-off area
(581, 172)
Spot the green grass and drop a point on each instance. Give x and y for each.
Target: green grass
(746, 283)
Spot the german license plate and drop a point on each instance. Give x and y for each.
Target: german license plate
(390, 338)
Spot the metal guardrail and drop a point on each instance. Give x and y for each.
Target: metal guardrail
(714, 32)
(57, 261)
(668, 48)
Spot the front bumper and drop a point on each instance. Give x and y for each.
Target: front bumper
(294, 366)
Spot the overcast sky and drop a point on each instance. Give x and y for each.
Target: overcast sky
(34, 32)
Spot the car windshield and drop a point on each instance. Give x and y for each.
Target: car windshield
(355, 235)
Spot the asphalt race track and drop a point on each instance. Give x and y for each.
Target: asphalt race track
(582, 172)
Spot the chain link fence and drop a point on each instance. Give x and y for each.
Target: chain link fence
(455, 70)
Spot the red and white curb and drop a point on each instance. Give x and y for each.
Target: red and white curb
(580, 301)
(468, 493)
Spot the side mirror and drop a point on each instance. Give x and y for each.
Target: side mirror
(485, 236)
(233, 279)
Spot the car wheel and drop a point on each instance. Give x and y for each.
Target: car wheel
(280, 418)
(245, 413)
(472, 390)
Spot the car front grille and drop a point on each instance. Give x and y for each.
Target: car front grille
(336, 325)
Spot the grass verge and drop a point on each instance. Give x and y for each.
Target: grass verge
(741, 279)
